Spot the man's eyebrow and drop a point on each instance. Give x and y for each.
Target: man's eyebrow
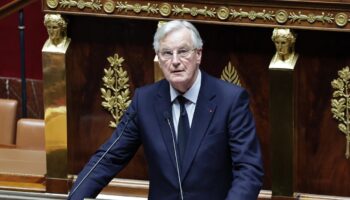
(182, 47)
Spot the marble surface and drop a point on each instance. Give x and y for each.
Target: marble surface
(10, 88)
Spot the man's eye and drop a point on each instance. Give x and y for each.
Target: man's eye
(182, 51)
(167, 53)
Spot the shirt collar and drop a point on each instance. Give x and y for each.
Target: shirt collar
(192, 93)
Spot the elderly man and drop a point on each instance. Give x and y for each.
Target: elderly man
(197, 131)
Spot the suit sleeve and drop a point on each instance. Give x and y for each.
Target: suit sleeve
(114, 161)
(247, 169)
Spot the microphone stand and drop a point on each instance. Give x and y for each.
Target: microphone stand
(167, 117)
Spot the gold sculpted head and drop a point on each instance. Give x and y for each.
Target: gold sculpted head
(285, 57)
(284, 40)
(56, 28)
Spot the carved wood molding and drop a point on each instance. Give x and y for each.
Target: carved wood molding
(331, 15)
(13, 6)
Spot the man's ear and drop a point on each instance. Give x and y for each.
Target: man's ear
(199, 55)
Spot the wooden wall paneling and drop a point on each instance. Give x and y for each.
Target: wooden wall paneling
(95, 39)
(321, 165)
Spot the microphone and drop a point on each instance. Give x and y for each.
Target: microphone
(168, 117)
(130, 117)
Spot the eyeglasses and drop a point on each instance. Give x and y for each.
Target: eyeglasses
(169, 54)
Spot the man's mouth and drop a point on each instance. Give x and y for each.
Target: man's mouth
(177, 71)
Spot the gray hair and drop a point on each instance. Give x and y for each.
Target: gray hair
(171, 26)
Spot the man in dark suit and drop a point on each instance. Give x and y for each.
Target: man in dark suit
(197, 131)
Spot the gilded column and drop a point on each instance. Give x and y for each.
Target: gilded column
(54, 77)
(282, 108)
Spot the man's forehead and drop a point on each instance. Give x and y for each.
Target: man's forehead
(175, 46)
(177, 38)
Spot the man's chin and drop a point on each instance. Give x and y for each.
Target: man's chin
(178, 84)
(177, 78)
(177, 81)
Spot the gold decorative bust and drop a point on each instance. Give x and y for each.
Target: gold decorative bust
(57, 30)
(285, 56)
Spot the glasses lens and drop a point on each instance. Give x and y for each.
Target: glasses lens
(181, 53)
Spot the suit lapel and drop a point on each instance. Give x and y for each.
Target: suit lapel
(162, 106)
(203, 114)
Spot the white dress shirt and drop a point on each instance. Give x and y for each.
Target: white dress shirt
(191, 95)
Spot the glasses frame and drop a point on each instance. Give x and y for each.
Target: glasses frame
(171, 53)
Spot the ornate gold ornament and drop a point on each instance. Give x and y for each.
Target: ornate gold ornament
(218, 13)
(341, 104)
(252, 15)
(52, 3)
(165, 9)
(341, 19)
(230, 74)
(311, 18)
(116, 92)
(281, 16)
(137, 8)
(109, 6)
(193, 11)
(223, 13)
(81, 4)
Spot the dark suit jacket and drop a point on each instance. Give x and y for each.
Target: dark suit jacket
(222, 159)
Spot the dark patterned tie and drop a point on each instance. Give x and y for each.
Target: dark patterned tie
(183, 129)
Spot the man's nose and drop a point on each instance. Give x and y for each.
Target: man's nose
(175, 60)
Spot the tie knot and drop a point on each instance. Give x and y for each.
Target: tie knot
(182, 100)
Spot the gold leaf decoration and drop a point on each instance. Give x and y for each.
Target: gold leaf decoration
(116, 92)
(194, 11)
(230, 74)
(341, 104)
(311, 18)
(252, 15)
(137, 8)
(81, 4)
(222, 13)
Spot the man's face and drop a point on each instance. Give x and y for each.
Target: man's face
(282, 46)
(178, 59)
